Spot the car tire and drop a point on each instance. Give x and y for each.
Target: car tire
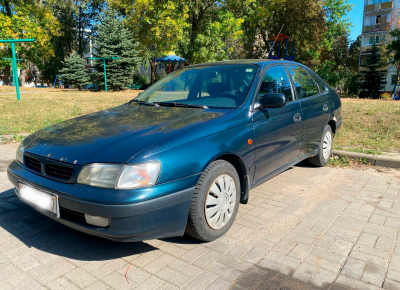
(325, 149)
(215, 202)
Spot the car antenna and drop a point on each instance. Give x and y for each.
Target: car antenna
(270, 53)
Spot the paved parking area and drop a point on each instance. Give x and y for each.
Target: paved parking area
(307, 228)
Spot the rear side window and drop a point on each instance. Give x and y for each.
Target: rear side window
(304, 84)
(276, 80)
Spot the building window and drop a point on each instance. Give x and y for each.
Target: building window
(394, 80)
(369, 39)
(378, 1)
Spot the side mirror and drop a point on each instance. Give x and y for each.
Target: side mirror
(273, 100)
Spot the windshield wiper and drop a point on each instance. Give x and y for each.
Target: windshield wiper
(174, 104)
(141, 102)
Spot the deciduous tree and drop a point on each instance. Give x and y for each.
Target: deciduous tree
(393, 49)
(27, 19)
(211, 31)
(158, 25)
(76, 20)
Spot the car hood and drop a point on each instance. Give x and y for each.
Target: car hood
(114, 135)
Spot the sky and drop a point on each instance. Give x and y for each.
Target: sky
(356, 17)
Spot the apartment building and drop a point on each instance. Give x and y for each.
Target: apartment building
(380, 16)
(88, 53)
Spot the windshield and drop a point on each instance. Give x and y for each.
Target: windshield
(224, 86)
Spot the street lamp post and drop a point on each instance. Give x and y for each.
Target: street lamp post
(14, 60)
(104, 64)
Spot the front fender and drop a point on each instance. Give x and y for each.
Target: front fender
(193, 157)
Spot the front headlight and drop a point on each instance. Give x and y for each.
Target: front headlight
(120, 176)
(20, 153)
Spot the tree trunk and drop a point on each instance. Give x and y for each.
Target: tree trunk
(22, 77)
(153, 68)
(193, 34)
(7, 7)
(7, 75)
(81, 47)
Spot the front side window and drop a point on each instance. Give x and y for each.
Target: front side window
(304, 84)
(224, 86)
(276, 80)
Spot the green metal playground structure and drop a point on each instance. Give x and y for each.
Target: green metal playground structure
(14, 61)
(104, 64)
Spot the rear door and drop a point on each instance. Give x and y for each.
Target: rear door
(314, 102)
(278, 132)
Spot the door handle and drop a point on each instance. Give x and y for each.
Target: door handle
(297, 118)
(325, 108)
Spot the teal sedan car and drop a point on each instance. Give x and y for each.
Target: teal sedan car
(182, 155)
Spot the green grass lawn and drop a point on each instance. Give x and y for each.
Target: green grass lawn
(40, 108)
(369, 126)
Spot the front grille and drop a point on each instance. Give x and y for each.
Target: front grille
(53, 169)
(58, 171)
(33, 164)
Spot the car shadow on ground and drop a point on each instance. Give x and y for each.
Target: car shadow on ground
(24, 227)
(305, 164)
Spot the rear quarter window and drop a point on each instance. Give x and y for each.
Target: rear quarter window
(323, 88)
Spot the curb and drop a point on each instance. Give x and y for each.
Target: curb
(375, 160)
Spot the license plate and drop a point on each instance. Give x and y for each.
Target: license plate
(43, 200)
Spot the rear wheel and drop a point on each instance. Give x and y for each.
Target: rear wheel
(215, 202)
(325, 148)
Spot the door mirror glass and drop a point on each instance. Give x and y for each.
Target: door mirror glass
(271, 100)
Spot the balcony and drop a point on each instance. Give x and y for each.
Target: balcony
(364, 68)
(378, 7)
(377, 27)
(365, 49)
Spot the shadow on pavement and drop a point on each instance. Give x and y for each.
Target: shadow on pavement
(259, 278)
(35, 230)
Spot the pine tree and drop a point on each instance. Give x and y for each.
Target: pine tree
(373, 78)
(114, 40)
(73, 72)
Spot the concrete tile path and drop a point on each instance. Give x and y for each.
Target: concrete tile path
(307, 228)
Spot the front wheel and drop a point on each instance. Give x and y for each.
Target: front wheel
(325, 148)
(215, 202)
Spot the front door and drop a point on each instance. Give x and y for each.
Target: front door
(314, 101)
(278, 132)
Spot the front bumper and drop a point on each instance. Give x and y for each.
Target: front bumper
(134, 215)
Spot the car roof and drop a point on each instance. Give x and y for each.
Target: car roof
(259, 62)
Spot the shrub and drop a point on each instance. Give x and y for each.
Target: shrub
(141, 80)
(160, 75)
